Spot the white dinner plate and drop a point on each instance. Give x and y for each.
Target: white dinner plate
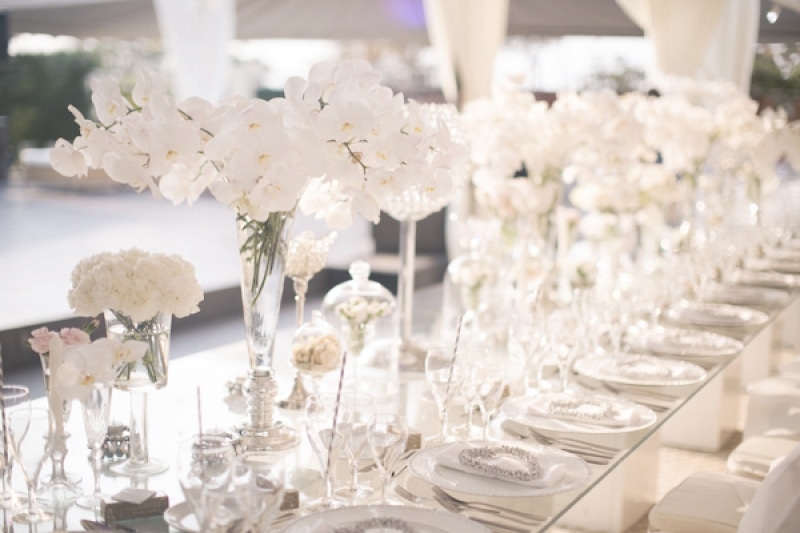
(768, 279)
(784, 254)
(181, 516)
(418, 519)
(786, 266)
(748, 295)
(688, 343)
(423, 465)
(712, 314)
(526, 410)
(638, 369)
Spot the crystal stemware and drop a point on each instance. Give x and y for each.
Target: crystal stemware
(326, 440)
(445, 377)
(204, 472)
(15, 398)
(95, 408)
(259, 488)
(31, 431)
(488, 380)
(387, 436)
(357, 412)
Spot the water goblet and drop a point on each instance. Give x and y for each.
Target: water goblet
(15, 398)
(95, 408)
(259, 487)
(356, 414)
(31, 431)
(445, 375)
(387, 436)
(326, 440)
(204, 472)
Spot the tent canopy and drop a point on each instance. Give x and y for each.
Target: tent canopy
(401, 20)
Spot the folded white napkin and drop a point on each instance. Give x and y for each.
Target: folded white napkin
(652, 369)
(618, 414)
(550, 472)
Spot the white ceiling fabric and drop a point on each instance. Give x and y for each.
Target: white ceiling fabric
(467, 35)
(195, 34)
(701, 39)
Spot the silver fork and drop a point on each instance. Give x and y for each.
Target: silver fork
(455, 508)
(520, 516)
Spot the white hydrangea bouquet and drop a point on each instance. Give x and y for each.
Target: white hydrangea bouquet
(139, 292)
(135, 284)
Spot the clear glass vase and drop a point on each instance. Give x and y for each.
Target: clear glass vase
(262, 250)
(146, 374)
(60, 487)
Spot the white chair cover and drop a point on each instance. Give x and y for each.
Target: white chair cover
(775, 508)
(773, 403)
(755, 456)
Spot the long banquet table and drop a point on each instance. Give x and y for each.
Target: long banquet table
(173, 414)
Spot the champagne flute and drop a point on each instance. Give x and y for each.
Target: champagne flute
(15, 398)
(387, 436)
(489, 381)
(33, 430)
(326, 441)
(357, 412)
(96, 408)
(445, 377)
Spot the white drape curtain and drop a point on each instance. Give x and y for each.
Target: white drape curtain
(701, 39)
(467, 35)
(195, 34)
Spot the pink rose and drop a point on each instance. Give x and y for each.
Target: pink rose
(40, 340)
(72, 336)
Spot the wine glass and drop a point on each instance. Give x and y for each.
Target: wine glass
(259, 488)
(445, 375)
(15, 398)
(387, 435)
(204, 472)
(488, 380)
(95, 408)
(326, 440)
(31, 431)
(356, 414)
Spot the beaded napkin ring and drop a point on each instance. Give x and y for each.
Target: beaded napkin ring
(591, 408)
(476, 459)
(392, 524)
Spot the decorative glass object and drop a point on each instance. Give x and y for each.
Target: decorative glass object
(95, 408)
(316, 349)
(305, 257)
(139, 378)
(263, 249)
(358, 304)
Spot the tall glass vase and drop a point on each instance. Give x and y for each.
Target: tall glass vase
(139, 378)
(262, 250)
(61, 487)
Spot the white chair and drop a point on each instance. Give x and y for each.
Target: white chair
(711, 502)
(773, 403)
(754, 457)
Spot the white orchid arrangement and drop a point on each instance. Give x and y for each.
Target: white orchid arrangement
(338, 139)
(87, 365)
(509, 133)
(135, 284)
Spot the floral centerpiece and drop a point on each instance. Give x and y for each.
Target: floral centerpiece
(338, 145)
(134, 288)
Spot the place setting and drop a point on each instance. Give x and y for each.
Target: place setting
(714, 314)
(701, 347)
(747, 295)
